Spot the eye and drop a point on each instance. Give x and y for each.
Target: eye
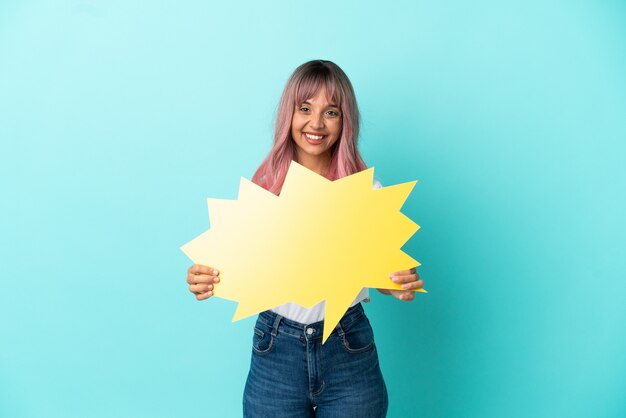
(333, 113)
(304, 109)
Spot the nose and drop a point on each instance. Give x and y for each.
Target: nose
(317, 121)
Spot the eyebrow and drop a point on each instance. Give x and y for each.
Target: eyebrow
(329, 104)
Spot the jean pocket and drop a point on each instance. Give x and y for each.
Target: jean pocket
(262, 341)
(358, 337)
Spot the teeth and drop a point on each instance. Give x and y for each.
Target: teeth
(314, 136)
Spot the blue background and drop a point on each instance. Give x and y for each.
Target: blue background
(119, 118)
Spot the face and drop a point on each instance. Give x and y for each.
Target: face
(315, 127)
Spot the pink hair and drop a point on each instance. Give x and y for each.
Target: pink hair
(304, 84)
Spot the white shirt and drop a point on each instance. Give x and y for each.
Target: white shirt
(315, 313)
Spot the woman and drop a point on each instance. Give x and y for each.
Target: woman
(291, 373)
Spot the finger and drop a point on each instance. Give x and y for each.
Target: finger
(203, 296)
(404, 272)
(200, 288)
(200, 278)
(407, 296)
(404, 278)
(201, 269)
(413, 285)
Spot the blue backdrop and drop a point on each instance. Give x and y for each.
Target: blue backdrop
(119, 118)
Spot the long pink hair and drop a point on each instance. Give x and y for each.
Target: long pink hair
(303, 84)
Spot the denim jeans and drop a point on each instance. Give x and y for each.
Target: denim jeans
(293, 375)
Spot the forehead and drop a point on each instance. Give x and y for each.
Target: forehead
(321, 98)
(320, 93)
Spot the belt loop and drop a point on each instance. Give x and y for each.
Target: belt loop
(275, 326)
(339, 330)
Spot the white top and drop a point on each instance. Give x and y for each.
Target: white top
(315, 313)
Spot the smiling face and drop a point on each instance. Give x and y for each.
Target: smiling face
(315, 127)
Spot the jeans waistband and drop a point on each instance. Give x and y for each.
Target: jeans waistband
(280, 324)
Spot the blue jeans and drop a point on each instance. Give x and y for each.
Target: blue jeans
(293, 375)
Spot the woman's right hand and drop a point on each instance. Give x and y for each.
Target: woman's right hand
(201, 280)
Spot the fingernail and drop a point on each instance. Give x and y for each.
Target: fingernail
(217, 279)
(405, 286)
(394, 279)
(210, 293)
(215, 272)
(210, 286)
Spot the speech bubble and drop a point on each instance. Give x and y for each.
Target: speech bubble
(319, 240)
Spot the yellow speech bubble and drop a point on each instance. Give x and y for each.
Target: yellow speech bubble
(319, 240)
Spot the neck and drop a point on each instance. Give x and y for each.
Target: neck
(319, 164)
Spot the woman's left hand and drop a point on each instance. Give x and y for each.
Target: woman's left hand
(410, 281)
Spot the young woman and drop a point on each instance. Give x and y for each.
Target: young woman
(291, 373)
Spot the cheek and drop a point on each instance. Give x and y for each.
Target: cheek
(295, 133)
(334, 141)
(337, 131)
(296, 123)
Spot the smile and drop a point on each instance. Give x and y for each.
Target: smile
(313, 137)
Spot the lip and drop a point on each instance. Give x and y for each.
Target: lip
(313, 141)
